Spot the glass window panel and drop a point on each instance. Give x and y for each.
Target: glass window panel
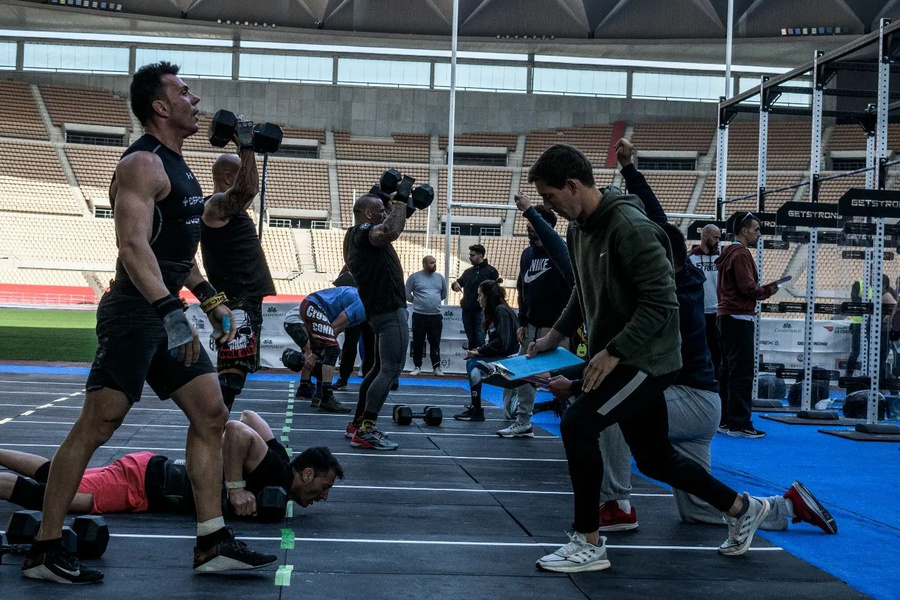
(83, 59)
(7, 55)
(671, 86)
(280, 67)
(192, 63)
(786, 99)
(580, 82)
(362, 71)
(482, 77)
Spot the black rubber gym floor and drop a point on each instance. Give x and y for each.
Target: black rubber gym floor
(456, 513)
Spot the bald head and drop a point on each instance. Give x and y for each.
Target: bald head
(709, 238)
(429, 264)
(224, 171)
(368, 208)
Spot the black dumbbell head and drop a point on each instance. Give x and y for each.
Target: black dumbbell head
(267, 137)
(93, 535)
(22, 526)
(433, 416)
(423, 196)
(70, 540)
(221, 129)
(402, 414)
(293, 360)
(389, 181)
(271, 504)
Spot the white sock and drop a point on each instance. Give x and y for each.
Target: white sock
(211, 526)
(625, 505)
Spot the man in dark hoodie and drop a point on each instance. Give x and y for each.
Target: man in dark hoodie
(540, 304)
(625, 293)
(739, 290)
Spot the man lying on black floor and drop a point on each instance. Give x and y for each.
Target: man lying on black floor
(147, 482)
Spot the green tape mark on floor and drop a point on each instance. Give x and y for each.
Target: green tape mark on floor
(290, 510)
(287, 539)
(283, 575)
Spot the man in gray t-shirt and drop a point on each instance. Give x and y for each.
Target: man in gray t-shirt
(426, 290)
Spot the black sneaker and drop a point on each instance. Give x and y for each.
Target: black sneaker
(330, 404)
(340, 384)
(230, 555)
(470, 414)
(58, 565)
(747, 432)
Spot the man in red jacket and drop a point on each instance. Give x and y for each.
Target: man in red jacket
(738, 290)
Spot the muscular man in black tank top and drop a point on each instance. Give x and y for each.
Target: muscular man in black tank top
(142, 333)
(235, 264)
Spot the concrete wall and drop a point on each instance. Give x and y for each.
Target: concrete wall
(381, 111)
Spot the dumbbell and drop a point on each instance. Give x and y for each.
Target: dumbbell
(432, 415)
(271, 504)
(88, 536)
(267, 137)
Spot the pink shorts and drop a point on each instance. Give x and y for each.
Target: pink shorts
(118, 487)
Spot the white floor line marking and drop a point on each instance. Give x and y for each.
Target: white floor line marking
(478, 491)
(45, 405)
(435, 542)
(304, 430)
(5, 421)
(360, 454)
(26, 413)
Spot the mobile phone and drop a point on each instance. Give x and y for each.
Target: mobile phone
(783, 280)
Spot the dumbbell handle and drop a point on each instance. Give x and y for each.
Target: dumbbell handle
(15, 549)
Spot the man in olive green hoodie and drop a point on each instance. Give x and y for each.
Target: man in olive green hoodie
(625, 295)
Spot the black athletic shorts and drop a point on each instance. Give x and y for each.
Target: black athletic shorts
(243, 352)
(275, 469)
(132, 348)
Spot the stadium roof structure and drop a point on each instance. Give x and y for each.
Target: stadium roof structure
(692, 30)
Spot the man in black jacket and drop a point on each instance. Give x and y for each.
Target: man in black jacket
(468, 284)
(541, 287)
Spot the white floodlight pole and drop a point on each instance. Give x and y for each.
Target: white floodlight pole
(728, 44)
(450, 139)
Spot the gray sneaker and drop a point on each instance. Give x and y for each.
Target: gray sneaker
(517, 430)
(330, 404)
(576, 557)
(741, 529)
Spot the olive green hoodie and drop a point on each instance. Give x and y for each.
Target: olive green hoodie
(624, 285)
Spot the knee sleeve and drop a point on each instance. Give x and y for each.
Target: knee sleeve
(28, 493)
(42, 473)
(330, 356)
(231, 384)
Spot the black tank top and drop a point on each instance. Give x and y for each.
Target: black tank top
(234, 258)
(176, 218)
(377, 270)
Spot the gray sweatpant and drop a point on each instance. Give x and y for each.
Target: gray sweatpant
(391, 341)
(693, 418)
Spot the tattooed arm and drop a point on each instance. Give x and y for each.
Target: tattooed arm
(221, 207)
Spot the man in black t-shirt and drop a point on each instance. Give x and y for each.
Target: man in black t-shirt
(379, 276)
(236, 265)
(468, 283)
(147, 482)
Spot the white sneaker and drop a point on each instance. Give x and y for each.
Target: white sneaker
(741, 530)
(576, 557)
(438, 372)
(517, 430)
(415, 371)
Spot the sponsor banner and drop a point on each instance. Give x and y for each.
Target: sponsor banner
(781, 341)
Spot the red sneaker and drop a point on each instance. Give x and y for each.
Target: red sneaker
(351, 429)
(808, 509)
(613, 518)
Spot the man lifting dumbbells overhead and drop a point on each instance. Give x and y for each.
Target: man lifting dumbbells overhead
(232, 252)
(379, 218)
(143, 333)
